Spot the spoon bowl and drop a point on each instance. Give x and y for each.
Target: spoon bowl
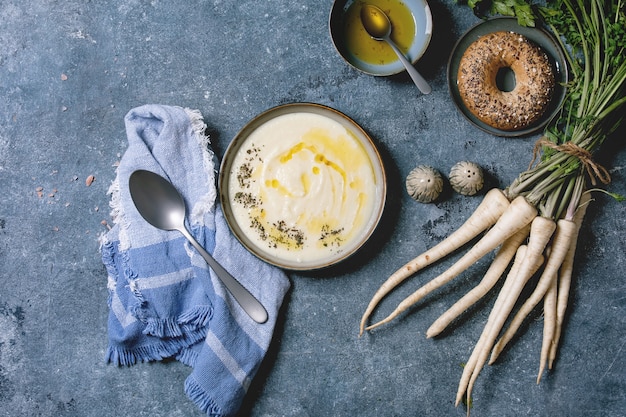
(160, 204)
(157, 200)
(378, 26)
(375, 22)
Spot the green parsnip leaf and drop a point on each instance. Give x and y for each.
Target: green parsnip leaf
(524, 14)
(518, 8)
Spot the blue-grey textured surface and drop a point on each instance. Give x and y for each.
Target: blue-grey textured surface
(69, 72)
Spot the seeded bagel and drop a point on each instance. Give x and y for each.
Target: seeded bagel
(534, 80)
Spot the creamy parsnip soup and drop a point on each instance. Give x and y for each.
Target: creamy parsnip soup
(303, 187)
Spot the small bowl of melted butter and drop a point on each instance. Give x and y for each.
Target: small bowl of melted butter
(412, 26)
(302, 186)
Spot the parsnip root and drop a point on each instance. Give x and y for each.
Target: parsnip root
(499, 264)
(565, 230)
(486, 215)
(565, 277)
(540, 233)
(517, 215)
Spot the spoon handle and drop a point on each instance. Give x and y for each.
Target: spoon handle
(417, 78)
(251, 305)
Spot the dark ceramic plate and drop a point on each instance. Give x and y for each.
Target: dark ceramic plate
(541, 38)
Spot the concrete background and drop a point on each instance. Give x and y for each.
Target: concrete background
(69, 72)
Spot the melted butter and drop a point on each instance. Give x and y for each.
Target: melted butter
(369, 50)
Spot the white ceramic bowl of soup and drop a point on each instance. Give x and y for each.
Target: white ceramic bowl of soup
(302, 186)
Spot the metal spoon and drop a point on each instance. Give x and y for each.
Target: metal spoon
(162, 206)
(378, 26)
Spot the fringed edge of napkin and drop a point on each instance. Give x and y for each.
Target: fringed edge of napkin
(207, 204)
(193, 323)
(198, 395)
(188, 321)
(178, 348)
(199, 210)
(169, 327)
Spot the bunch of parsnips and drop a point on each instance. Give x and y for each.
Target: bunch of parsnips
(534, 223)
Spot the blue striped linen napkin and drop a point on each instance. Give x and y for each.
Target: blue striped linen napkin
(164, 300)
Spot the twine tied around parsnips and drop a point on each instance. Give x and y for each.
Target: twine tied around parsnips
(594, 170)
